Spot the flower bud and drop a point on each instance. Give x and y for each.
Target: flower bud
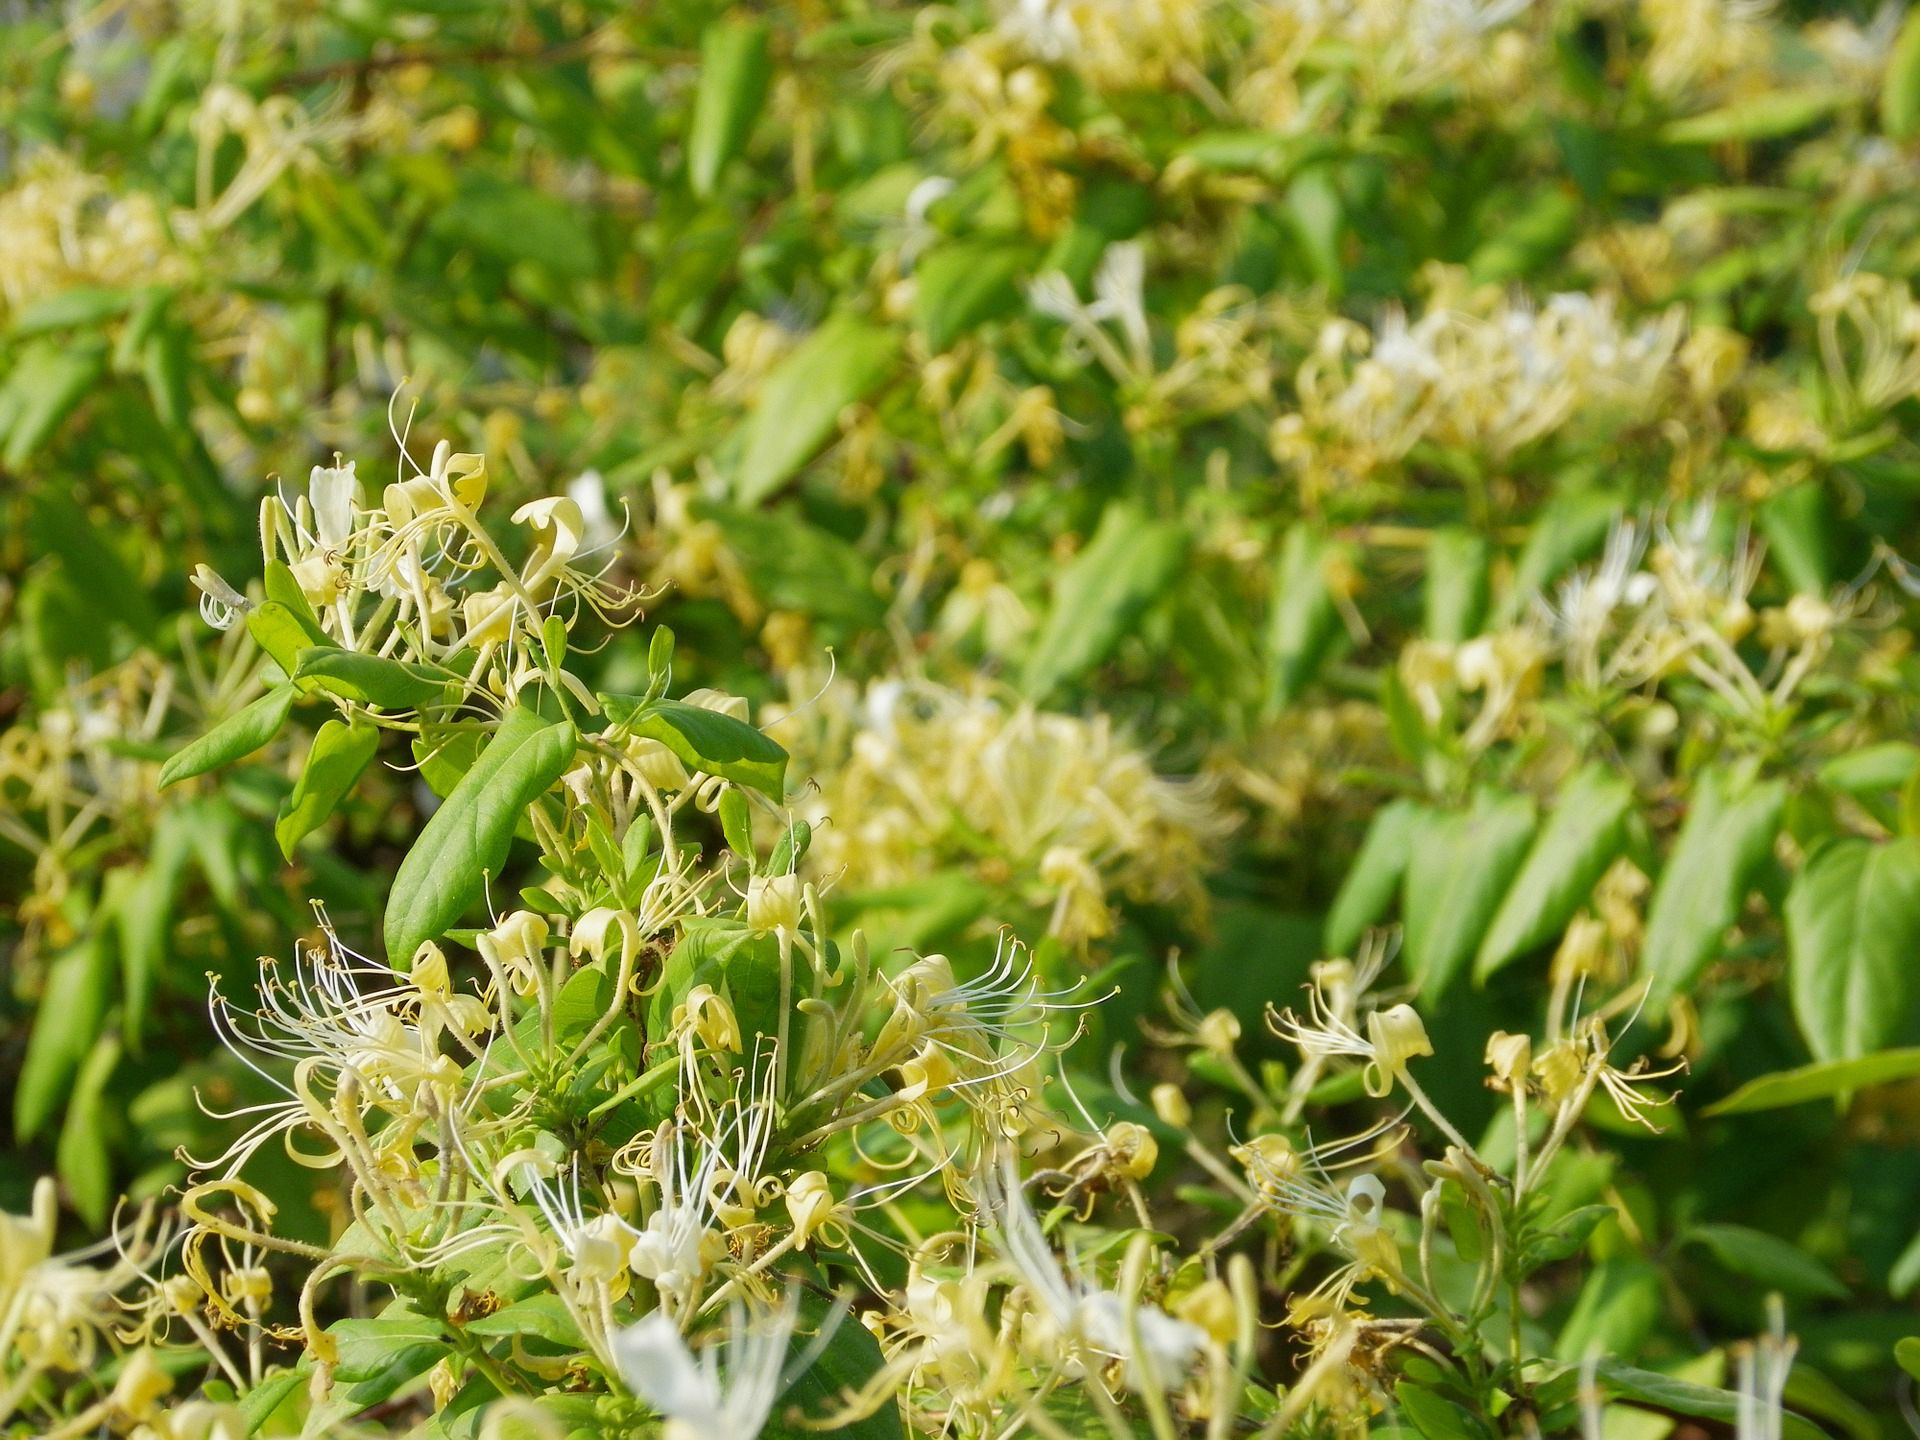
(1170, 1105)
(1218, 1031)
(142, 1383)
(1210, 1306)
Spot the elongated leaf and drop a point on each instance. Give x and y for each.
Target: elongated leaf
(965, 284)
(840, 364)
(705, 740)
(1766, 116)
(1775, 1263)
(734, 69)
(1853, 941)
(1900, 90)
(1128, 563)
(1459, 867)
(1684, 1397)
(237, 736)
(844, 1365)
(1886, 766)
(82, 1156)
(65, 1026)
(1719, 850)
(1303, 621)
(1456, 598)
(1374, 875)
(1822, 1080)
(371, 679)
(1434, 1417)
(1568, 858)
(283, 632)
(340, 752)
(47, 383)
(466, 839)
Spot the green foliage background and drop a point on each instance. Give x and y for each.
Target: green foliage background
(780, 280)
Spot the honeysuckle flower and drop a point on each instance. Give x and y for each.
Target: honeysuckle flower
(220, 603)
(1157, 1348)
(517, 948)
(729, 1389)
(773, 903)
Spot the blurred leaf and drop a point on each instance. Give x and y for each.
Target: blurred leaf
(1853, 939)
(840, 364)
(1764, 117)
(1720, 847)
(1900, 88)
(46, 384)
(1101, 596)
(1822, 1080)
(1459, 866)
(734, 70)
(1775, 1263)
(965, 284)
(66, 1025)
(1303, 622)
(1571, 853)
(1374, 875)
(1456, 597)
(81, 1157)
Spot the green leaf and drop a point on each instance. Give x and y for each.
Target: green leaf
(734, 70)
(845, 1366)
(1874, 769)
(82, 305)
(1821, 1080)
(82, 1157)
(283, 632)
(1720, 848)
(283, 589)
(339, 754)
(381, 1355)
(1303, 621)
(1853, 945)
(465, 841)
(1620, 1302)
(704, 740)
(1572, 852)
(1100, 598)
(48, 382)
(1900, 90)
(371, 679)
(1374, 875)
(1683, 1397)
(1907, 1355)
(1766, 116)
(237, 736)
(544, 1315)
(1797, 522)
(1773, 1262)
(66, 1023)
(840, 364)
(1434, 1417)
(1456, 596)
(1459, 866)
(964, 284)
(517, 222)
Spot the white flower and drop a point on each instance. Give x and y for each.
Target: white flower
(1157, 1348)
(728, 1390)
